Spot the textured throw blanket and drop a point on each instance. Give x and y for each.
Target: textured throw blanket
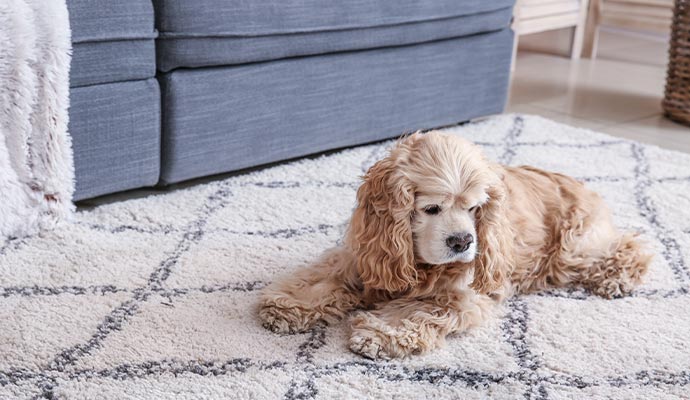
(36, 167)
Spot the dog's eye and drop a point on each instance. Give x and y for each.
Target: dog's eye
(432, 210)
(473, 209)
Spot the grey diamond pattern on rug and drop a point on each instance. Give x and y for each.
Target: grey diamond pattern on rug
(156, 297)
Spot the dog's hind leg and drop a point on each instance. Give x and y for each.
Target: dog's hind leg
(323, 291)
(619, 270)
(608, 263)
(588, 250)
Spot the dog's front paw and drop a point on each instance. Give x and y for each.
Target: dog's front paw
(613, 288)
(285, 319)
(373, 338)
(368, 346)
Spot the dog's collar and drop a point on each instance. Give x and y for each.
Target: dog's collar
(424, 266)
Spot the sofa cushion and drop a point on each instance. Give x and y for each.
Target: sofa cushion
(107, 62)
(270, 17)
(99, 20)
(223, 119)
(115, 132)
(224, 32)
(190, 52)
(112, 41)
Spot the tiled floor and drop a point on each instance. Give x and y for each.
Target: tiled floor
(619, 92)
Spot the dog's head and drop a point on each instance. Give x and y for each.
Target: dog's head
(434, 200)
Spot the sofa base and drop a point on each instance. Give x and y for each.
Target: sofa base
(115, 132)
(224, 119)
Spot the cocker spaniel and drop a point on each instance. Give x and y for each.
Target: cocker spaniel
(439, 236)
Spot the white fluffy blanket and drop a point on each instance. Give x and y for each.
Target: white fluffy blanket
(36, 167)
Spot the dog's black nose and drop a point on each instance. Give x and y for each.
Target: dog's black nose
(460, 242)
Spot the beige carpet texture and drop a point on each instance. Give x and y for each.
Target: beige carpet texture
(156, 297)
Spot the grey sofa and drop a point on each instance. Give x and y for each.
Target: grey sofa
(240, 84)
(115, 98)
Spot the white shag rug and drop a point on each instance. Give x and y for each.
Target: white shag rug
(155, 298)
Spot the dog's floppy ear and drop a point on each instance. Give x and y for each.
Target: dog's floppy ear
(495, 261)
(380, 232)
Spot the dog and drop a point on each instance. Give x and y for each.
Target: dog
(439, 236)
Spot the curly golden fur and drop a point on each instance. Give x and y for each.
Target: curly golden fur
(440, 234)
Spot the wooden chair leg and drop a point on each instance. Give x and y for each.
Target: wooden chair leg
(578, 35)
(515, 49)
(591, 39)
(516, 33)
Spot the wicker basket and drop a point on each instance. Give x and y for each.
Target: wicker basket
(676, 102)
